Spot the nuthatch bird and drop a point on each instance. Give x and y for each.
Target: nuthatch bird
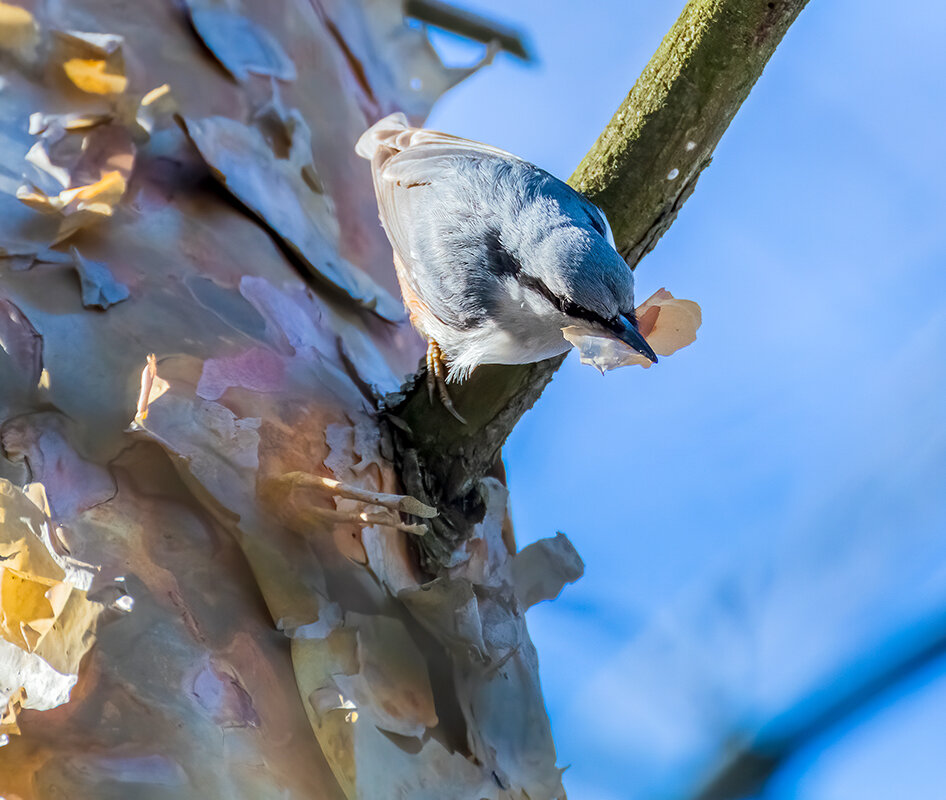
(494, 255)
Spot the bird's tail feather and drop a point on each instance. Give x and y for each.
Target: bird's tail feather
(395, 134)
(383, 133)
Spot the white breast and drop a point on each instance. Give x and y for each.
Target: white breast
(525, 328)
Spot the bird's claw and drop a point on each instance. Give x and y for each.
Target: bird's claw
(437, 380)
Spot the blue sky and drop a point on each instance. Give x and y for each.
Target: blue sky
(761, 511)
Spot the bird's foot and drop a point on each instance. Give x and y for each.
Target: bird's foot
(391, 505)
(437, 379)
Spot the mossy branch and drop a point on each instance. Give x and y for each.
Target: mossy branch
(646, 161)
(640, 171)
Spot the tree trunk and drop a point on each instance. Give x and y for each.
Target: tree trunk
(220, 575)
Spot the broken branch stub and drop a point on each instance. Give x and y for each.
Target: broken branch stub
(441, 460)
(640, 172)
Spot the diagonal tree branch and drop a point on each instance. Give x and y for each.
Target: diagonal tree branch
(646, 162)
(640, 171)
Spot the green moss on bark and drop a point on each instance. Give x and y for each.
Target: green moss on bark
(646, 161)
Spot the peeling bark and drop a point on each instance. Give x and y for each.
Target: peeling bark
(208, 587)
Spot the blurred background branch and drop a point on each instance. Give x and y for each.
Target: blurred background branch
(751, 764)
(472, 26)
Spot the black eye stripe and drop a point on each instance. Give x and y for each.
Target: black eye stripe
(502, 262)
(571, 308)
(575, 310)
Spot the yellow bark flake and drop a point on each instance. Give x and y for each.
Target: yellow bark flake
(90, 76)
(108, 189)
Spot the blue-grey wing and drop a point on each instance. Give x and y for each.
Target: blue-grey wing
(465, 217)
(440, 218)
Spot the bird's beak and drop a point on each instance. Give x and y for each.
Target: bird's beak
(633, 339)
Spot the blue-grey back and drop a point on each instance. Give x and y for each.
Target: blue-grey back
(473, 221)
